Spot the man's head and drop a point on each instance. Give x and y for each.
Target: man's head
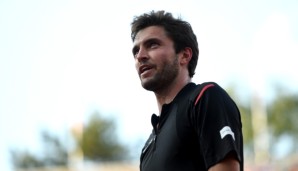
(176, 29)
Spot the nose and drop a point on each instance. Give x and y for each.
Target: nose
(142, 55)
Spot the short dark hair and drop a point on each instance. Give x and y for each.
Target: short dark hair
(178, 30)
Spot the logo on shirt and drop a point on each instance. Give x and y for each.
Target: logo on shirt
(226, 130)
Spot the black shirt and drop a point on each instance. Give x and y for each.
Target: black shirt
(194, 132)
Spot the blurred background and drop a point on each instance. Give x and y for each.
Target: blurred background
(70, 98)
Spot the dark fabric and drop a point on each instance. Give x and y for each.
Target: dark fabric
(188, 137)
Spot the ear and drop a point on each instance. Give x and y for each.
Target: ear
(185, 56)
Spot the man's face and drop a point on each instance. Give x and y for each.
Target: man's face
(155, 59)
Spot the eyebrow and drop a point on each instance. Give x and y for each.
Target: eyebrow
(150, 40)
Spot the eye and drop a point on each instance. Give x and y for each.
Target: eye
(153, 45)
(135, 51)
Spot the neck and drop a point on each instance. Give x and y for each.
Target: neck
(167, 94)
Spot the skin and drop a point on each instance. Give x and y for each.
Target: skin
(228, 163)
(165, 73)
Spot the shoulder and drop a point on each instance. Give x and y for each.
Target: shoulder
(212, 88)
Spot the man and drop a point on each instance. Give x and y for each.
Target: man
(198, 126)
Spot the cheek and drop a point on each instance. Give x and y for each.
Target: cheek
(165, 58)
(136, 65)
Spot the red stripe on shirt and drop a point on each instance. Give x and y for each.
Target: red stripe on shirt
(202, 91)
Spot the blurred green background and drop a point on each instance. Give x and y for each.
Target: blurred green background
(70, 98)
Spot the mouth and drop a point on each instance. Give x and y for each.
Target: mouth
(144, 68)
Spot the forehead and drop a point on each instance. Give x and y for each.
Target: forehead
(151, 32)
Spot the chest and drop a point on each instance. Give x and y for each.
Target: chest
(173, 146)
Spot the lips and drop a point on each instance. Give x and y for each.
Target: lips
(144, 68)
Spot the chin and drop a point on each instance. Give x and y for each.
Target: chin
(148, 85)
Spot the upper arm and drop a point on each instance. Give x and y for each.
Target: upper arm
(218, 124)
(229, 163)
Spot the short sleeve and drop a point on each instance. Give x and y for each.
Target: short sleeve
(218, 126)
